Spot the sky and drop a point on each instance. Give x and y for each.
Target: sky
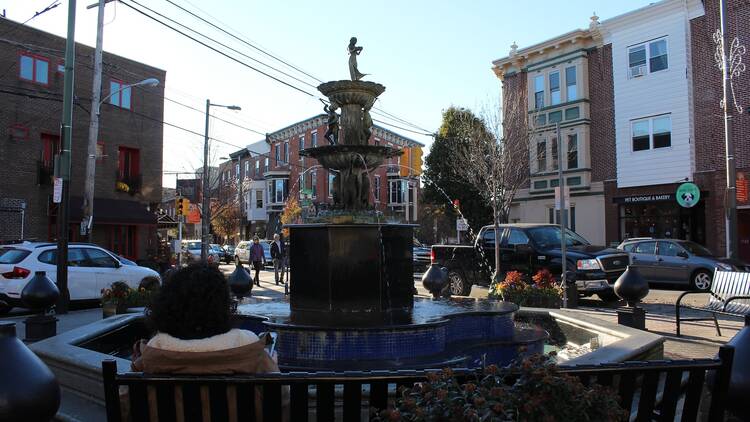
(430, 55)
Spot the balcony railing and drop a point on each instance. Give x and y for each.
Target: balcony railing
(44, 173)
(128, 183)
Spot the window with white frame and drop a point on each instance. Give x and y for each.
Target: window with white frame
(397, 189)
(651, 133)
(571, 85)
(331, 183)
(265, 162)
(301, 144)
(259, 198)
(301, 184)
(573, 151)
(377, 188)
(538, 91)
(541, 155)
(286, 152)
(314, 138)
(553, 146)
(314, 183)
(648, 57)
(257, 167)
(278, 154)
(247, 169)
(278, 190)
(554, 88)
(237, 171)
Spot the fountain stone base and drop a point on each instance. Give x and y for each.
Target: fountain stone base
(340, 269)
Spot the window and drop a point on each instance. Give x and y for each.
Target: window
(571, 86)
(18, 132)
(301, 144)
(34, 68)
(377, 189)
(555, 161)
(489, 237)
(330, 184)
(553, 183)
(120, 94)
(539, 91)
(99, 258)
(572, 113)
(540, 120)
(655, 132)
(259, 199)
(517, 237)
(555, 116)
(128, 163)
(554, 88)
(237, 171)
(286, 152)
(540, 184)
(278, 190)
(123, 241)
(314, 139)
(573, 151)
(314, 183)
(648, 57)
(657, 56)
(574, 181)
(669, 249)
(278, 155)
(376, 141)
(247, 169)
(397, 190)
(257, 167)
(541, 155)
(645, 248)
(50, 147)
(265, 164)
(301, 184)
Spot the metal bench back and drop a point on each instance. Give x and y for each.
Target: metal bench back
(645, 389)
(726, 284)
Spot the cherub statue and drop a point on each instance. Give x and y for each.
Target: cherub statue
(367, 121)
(332, 134)
(354, 51)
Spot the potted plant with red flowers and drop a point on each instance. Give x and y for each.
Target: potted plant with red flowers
(542, 291)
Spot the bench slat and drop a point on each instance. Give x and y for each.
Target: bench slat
(165, 402)
(671, 395)
(298, 402)
(138, 402)
(325, 406)
(245, 402)
(352, 401)
(625, 389)
(648, 396)
(379, 395)
(693, 395)
(272, 402)
(191, 402)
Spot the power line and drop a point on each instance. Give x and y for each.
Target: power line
(46, 9)
(243, 41)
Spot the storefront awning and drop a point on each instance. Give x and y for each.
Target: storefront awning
(113, 211)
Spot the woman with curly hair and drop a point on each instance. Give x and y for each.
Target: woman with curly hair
(191, 317)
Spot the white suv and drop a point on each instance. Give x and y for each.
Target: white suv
(90, 269)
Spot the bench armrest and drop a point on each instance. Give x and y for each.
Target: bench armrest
(679, 299)
(726, 302)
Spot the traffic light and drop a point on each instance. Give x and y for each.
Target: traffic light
(182, 206)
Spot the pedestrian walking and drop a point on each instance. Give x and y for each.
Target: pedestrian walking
(257, 258)
(277, 255)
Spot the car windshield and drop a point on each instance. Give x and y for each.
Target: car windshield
(549, 236)
(695, 249)
(194, 245)
(12, 256)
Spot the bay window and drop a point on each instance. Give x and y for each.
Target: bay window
(554, 88)
(541, 155)
(571, 86)
(573, 151)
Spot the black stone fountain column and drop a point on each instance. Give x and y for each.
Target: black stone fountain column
(631, 287)
(40, 294)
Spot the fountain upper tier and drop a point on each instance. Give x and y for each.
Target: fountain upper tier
(342, 157)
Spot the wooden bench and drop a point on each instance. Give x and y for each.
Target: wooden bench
(729, 295)
(653, 390)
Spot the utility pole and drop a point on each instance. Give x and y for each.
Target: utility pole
(563, 215)
(205, 207)
(731, 190)
(62, 168)
(88, 201)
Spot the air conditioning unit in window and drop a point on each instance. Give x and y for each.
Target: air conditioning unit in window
(637, 71)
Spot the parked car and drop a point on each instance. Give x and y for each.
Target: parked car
(192, 250)
(528, 248)
(90, 269)
(228, 253)
(679, 262)
(242, 252)
(217, 250)
(421, 256)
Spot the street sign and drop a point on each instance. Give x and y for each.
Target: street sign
(462, 225)
(688, 194)
(57, 190)
(557, 197)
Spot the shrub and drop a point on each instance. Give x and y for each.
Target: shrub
(532, 389)
(125, 297)
(542, 291)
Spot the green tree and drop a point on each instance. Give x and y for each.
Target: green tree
(440, 172)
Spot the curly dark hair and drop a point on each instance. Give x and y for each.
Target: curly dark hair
(194, 304)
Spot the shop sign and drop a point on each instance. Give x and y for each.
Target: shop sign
(637, 199)
(688, 194)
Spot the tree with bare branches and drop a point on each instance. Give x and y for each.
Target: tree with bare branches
(494, 158)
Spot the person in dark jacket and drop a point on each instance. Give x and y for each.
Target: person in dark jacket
(277, 254)
(257, 258)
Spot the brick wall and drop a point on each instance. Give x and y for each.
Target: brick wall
(38, 109)
(709, 123)
(602, 100)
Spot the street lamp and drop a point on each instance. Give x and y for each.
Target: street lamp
(88, 202)
(206, 201)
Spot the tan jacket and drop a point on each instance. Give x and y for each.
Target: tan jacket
(234, 352)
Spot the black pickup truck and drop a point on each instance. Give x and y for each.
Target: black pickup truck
(528, 248)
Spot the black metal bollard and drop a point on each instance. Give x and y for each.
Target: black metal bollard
(631, 287)
(40, 294)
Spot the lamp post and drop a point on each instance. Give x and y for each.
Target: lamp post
(96, 103)
(206, 200)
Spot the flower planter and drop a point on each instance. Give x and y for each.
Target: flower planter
(111, 308)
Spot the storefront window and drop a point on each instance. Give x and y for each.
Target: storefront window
(662, 219)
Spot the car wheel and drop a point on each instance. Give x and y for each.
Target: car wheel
(701, 281)
(149, 283)
(4, 308)
(608, 297)
(458, 286)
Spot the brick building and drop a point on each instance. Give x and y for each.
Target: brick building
(129, 153)
(272, 170)
(648, 91)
